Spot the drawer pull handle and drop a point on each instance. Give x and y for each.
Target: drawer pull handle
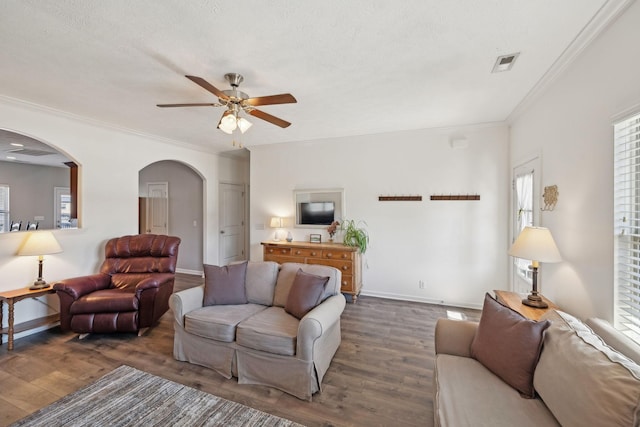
(297, 252)
(345, 283)
(270, 251)
(344, 255)
(345, 267)
(284, 251)
(313, 254)
(329, 255)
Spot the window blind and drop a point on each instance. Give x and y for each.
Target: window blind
(627, 225)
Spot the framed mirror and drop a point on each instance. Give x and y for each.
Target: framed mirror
(318, 208)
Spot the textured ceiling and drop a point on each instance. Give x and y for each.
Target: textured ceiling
(356, 67)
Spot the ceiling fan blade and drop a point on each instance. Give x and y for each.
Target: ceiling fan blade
(283, 98)
(269, 118)
(208, 86)
(189, 105)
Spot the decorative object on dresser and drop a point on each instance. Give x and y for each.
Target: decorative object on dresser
(315, 238)
(355, 234)
(332, 229)
(345, 258)
(535, 244)
(277, 223)
(39, 243)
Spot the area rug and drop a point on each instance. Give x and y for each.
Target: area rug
(130, 397)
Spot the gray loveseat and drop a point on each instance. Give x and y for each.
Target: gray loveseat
(587, 375)
(259, 342)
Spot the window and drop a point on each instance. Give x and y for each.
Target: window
(523, 187)
(627, 225)
(4, 208)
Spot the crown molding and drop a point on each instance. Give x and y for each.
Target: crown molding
(605, 16)
(20, 103)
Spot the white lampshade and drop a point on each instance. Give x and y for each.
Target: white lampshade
(244, 124)
(276, 222)
(535, 244)
(40, 243)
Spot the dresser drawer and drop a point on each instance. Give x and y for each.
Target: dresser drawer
(276, 251)
(282, 259)
(345, 266)
(346, 284)
(338, 255)
(304, 252)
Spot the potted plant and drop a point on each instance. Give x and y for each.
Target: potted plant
(355, 234)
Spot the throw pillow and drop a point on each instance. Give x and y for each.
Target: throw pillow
(305, 293)
(225, 285)
(508, 345)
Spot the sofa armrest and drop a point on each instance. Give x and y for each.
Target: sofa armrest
(185, 301)
(316, 322)
(79, 286)
(455, 336)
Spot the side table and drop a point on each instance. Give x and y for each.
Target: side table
(13, 296)
(513, 300)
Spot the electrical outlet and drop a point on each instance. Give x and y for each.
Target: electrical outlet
(420, 284)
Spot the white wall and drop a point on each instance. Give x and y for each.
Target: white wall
(109, 161)
(570, 124)
(457, 248)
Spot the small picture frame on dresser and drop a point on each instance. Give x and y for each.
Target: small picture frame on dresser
(315, 238)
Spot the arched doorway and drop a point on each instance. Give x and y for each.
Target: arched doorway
(184, 207)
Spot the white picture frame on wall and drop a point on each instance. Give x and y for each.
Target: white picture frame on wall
(317, 208)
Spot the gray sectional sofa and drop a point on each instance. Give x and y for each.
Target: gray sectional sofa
(587, 375)
(259, 342)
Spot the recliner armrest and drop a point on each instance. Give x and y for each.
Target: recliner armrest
(455, 336)
(79, 286)
(185, 301)
(315, 322)
(153, 281)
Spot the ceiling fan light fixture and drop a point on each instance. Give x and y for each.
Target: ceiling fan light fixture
(244, 124)
(228, 123)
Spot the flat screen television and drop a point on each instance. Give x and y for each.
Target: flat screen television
(316, 213)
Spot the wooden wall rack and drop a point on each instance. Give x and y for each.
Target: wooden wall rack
(399, 198)
(457, 197)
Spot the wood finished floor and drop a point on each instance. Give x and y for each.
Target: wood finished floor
(380, 376)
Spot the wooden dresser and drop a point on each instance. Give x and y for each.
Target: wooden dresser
(345, 258)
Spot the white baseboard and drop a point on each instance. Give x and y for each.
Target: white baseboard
(414, 298)
(193, 272)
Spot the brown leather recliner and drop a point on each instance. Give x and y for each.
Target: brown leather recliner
(129, 294)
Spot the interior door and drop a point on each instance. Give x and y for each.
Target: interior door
(232, 223)
(158, 208)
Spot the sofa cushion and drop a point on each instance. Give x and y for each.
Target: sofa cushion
(219, 322)
(508, 345)
(260, 282)
(614, 338)
(272, 330)
(468, 394)
(583, 381)
(305, 293)
(287, 275)
(225, 285)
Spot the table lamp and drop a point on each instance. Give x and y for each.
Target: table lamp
(39, 243)
(535, 244)
(276, 222)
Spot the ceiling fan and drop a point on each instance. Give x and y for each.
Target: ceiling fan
(237, 101)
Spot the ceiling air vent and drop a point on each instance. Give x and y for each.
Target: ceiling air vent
(505, 62)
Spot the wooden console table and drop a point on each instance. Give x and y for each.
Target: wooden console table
(513, 300)
(347, 259)
(12, 297)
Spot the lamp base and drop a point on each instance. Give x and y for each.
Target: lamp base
(534, 301)
(39, 284)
